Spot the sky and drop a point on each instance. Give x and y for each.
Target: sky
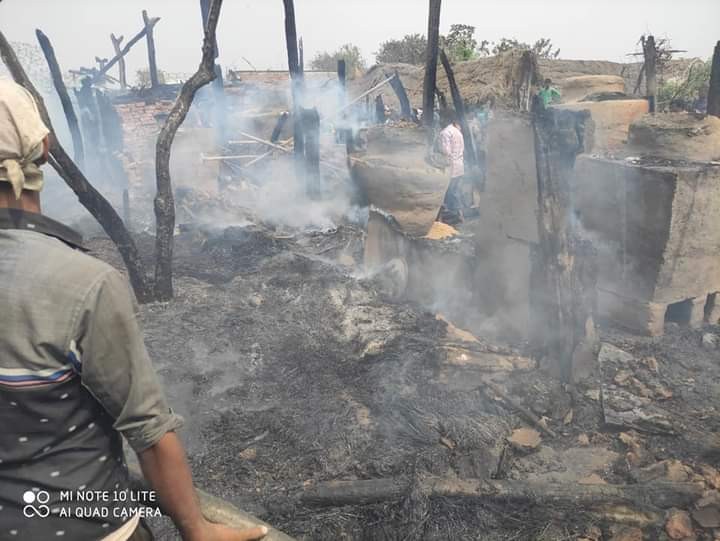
(252, 31)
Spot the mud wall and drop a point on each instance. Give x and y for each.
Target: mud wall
(657, 230)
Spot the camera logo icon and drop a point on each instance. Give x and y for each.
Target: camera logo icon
(31, 498)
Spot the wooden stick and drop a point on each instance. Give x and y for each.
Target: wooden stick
(262, 141)
(526, 413)
(222, 158)
(121, 61)
(164, 203)
(88, 196)
(654, 495)
(152, 61)
(65, 100)
(361, 96)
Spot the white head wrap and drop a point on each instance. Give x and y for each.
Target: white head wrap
(21, 138)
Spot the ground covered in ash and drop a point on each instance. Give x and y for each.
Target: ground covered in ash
(291, 369)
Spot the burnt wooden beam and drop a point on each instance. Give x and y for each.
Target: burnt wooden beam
(164, 202)
(61, 89)
(122, 71)
(279, 125)
(295, 82)
(150, 37)
(401, 93)
(301, 56)
(431, 57)
(470, 151)
(88, 196)
(655, 495)
(311, 131)
(379, 109)
(125, 50)
(713, 99)
(650, 55)
(565, 298)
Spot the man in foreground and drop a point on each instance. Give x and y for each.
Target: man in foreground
(74, 374)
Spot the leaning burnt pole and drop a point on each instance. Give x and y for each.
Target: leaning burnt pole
(164, 202)
(470, 154)
(713, 99)
(62, 92)
(565, 284)
(88, 196)
(431, 58)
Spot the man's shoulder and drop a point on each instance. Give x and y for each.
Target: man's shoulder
(61, 260)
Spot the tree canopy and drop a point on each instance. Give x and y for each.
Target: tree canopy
(460, 45)
(354, 62)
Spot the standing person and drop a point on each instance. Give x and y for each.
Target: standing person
(548, 94)
(452, 145)
(74, 374)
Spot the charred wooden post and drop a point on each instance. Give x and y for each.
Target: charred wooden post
(164, 202)
(431, 57)
(152, 61)
(399, 89)
(713, 99)
(565, 304)
(296, 85)
(311, 130)
(650, 54)
(277, 130)
(379, 109)
(96, 77)
(301, 56)
(88, 196)
(122, 72)
(470, 150)
(65, 100)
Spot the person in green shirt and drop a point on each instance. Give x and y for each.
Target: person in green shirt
(549, 94)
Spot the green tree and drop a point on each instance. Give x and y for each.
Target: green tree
(543, 47)
(354, 62)
(408, 50)
(460, 43)
(682, 92)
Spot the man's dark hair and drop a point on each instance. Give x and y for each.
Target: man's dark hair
(449, 116)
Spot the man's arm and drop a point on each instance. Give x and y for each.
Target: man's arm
(116, 369)
(165, 466)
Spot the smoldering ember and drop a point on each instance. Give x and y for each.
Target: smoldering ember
(470, 292)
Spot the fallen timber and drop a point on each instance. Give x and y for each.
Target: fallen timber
(218, 510)
(656, 495)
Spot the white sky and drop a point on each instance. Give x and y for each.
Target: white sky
(583, 29)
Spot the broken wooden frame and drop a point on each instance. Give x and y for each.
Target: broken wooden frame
(88, 196)
(125, 50)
